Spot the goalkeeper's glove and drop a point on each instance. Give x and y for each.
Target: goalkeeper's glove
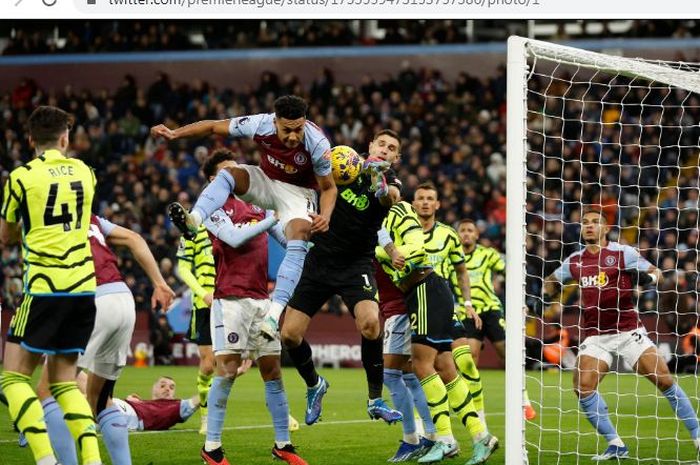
(375, 165)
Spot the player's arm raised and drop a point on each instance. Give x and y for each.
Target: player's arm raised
(199, 129)
(162, 294)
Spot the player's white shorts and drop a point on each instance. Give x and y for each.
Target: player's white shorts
(106, 352)
(289, 201)
(397, 335)
(629, 345)
(235, 328)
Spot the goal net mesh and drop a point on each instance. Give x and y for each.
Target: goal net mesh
(622, 134)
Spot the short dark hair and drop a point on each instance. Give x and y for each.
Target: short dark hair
(596, 209)
(390, 133)
(290, 107)
(46, 124)
(219, 155)
(428, 186)
(465, 221)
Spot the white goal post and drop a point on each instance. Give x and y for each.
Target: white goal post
(556, 76)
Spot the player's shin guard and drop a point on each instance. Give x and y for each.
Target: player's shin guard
(460, 400)
(467, 368)
(301, 357)
(218, 398)
(276, 401)
(373, 363)
(25, 410)
(401, 398)
(436, 396)
(289, 273)
(596, 411)
(214, 195)
(420, 402)
(78, 417)
(115, 435)
(683, 409)
(61, 439)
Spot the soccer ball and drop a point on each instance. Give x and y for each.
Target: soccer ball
(346, 164)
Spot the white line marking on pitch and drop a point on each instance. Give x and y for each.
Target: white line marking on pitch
(247, 427)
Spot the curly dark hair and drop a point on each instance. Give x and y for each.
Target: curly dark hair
(290, 107)
(216, 157)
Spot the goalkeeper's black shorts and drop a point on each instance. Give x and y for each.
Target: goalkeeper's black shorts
(322, 278)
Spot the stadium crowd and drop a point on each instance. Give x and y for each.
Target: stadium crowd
(453, 132)
(25, 38)
(454, 135)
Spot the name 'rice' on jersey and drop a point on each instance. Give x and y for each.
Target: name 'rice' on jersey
(356, 218)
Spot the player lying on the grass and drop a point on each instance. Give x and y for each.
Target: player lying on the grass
(241, 300)
(481, 262)
(341, 262)
(46, 208)
(402, 255)
(195, 267)
(292, 167)
(606, 273)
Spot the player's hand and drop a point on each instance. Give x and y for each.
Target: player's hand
(398, 261)
(319, 223)
(133, 397)
(208, 299)
(163, 131)
(244, 366)
(469, 310)
(163, 296)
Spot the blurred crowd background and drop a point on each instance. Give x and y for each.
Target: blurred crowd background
(453, 133)
(80, 36)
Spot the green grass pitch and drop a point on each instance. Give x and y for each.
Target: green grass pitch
(347, 437)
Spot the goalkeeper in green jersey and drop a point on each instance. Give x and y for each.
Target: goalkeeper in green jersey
(482, 262)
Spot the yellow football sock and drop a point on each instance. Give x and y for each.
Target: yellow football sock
(203, 386)
(436, 395)
(79, 419)
(461, 403)
(467, 368)
(26, 412)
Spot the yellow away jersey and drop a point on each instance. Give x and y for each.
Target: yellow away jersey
(406, 232)
(198, 258)
(52, 197)
(481, 264)
(444, 249)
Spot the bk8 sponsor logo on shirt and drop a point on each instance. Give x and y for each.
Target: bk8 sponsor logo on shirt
(599, 280)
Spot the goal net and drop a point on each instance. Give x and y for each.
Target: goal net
(622, 134)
